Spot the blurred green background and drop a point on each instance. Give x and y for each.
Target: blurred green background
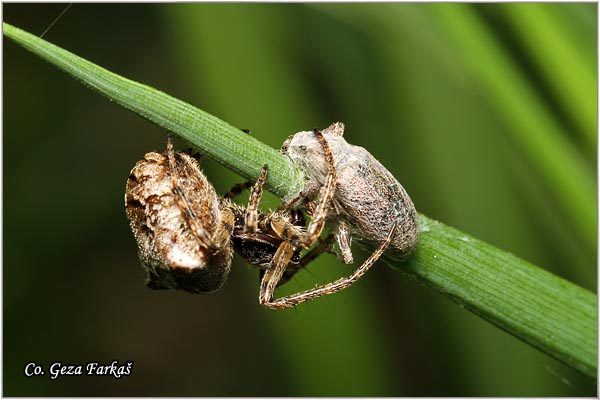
(485, 112)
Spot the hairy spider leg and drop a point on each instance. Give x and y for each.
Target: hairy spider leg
(255, 196)
(237, 189)
(313, 185)
(281, 259)
(190, 216)
(322, 246)
(329, 288)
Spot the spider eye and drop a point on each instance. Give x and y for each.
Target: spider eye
(302, 147)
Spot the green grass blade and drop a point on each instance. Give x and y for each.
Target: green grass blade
(544, 310)
(224, 143)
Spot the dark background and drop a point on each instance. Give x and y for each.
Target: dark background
(402, 79)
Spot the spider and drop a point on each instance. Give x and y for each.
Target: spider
(186, 233)
(273, 241)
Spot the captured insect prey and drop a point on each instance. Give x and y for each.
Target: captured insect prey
(368, 202)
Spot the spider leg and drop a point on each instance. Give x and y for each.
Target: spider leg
(237, 189)
(223, 233)
(292, 269)
(317, 222)
(313, 185)
(255, 195)
(182, 200)
(273, 275)
(309, 189)
(333, 287)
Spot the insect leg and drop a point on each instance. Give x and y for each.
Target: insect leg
(344, 240)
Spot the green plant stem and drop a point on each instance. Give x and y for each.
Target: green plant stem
(224, 143)
(542, 309)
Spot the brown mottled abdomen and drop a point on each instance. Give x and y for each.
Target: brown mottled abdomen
(174, 212)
